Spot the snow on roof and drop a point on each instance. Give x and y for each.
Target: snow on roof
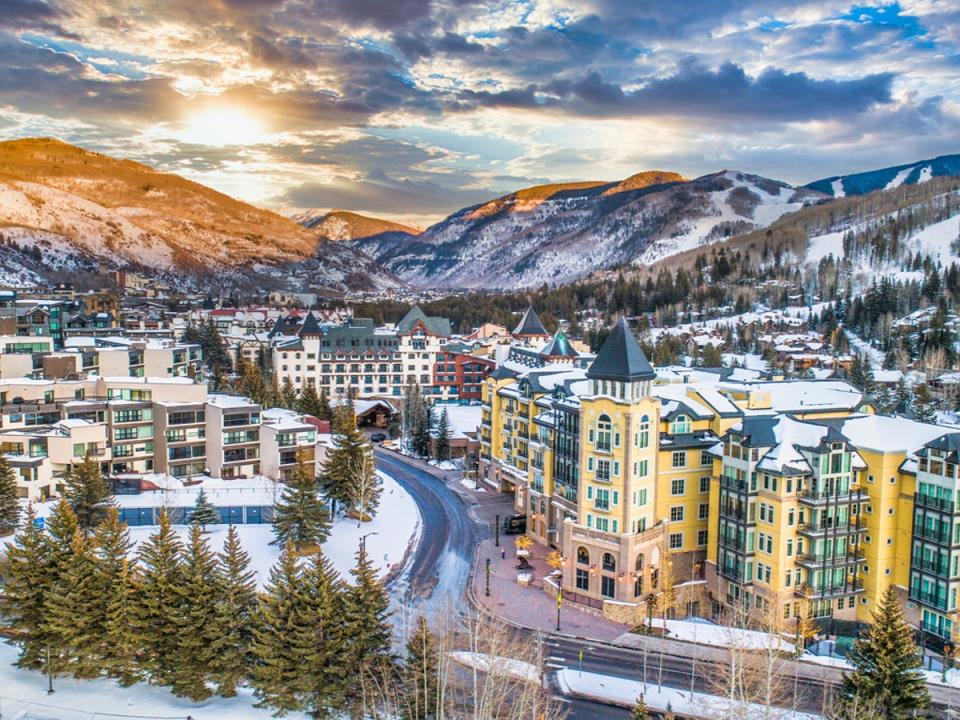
(180, 380)
(283, 419)
(229, 401)
(890, 434)
(463, 419)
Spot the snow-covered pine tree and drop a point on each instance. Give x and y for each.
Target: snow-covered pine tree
(441, 444)
(366, 628)
(323, 589)
(421, 686)
(203, 512)
(25, 571)
(886, 679)
(923, 408)
(300, 516)
(235, 604)
(118, 641)
(72, 623)
(158, 617)
(199, 591)
(283, 642)
(88, 493)
(350, 448)
(9, 505)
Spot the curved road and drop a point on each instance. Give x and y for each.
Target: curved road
(438, 572)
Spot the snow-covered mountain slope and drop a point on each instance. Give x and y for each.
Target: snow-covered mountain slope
(887, 178)
(343, 225)
(559, 233)
(63, 209)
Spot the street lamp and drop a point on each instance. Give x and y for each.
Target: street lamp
(363, 540)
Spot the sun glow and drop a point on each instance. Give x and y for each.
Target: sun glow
(223, 126)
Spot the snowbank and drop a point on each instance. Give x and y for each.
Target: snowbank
(624, 692)
(721, 635)
(502, 666)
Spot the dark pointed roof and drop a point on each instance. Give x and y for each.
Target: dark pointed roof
(620, 358)
(310, 326)
(559, 346)
(530, 324)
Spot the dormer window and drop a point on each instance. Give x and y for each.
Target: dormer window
(680, 425)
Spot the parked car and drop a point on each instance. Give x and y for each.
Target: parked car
(378, 437)
(515, 525)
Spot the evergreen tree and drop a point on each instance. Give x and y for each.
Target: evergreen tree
(326, 412)
(9, 506)
(61, 525)
(198, 597)
(422, 428)
(25, 571)
(300, 516)
(251, 383)
(236, 600)
(441, 443)
(203, 512)
(366, 627)
(640, 711)
(886, 661)
(287, 396)
(923, 408)
(323, 592)
(349, 452)
(88, 493)
(72, 626)
(116, 605)
(217, 382)
(344, 418)
(421, 691)
(309, 402)
(158, 617)
(283, 642)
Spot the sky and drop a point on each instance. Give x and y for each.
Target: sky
(412, 109)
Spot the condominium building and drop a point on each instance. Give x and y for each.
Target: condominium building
(233, 436)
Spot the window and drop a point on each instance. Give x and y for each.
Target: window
(676, 540)
(583, 556)
(680, 425)
(608, 586)
(680, 459)
(703, 512)
(676, 513)
(704, 484)
(643, 439)
(705, 458)
(642, 468)
(603, 470)
(701, 537)
(677, 486)
(609, 562)
(583, 579)
(640, 497)
(603, 433)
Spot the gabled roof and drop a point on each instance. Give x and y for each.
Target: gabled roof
(530, 324)
(620, 358)
(948, 444)
(434, 325)
(559, 346)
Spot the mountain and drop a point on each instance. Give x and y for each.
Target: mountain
(65, 210)
(887, 178)
(343, 225)
(559, 233)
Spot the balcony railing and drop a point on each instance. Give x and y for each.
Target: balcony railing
(944, 504)
(815, 497)
(819, 528)
(823, 591)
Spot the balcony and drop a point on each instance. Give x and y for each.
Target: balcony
(813, 498)
(852, 586)
(930, 599)
(942, 504)
(820, 529)
(599, 535)
(819, 562)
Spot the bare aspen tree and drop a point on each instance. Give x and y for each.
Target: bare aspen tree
(364, 488)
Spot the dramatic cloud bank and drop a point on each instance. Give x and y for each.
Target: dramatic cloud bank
(414, 108)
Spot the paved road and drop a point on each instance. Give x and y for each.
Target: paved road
(438, 572)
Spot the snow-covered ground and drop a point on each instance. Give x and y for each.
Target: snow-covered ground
(624, 692)
(23, 694)
(518, 669)
(707, 633)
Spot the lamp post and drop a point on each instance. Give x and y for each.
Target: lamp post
(363, 540)
(50, 690)
(496, 531)
(559, 602)
(488, 577)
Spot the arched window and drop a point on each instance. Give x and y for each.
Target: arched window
(638, 565)
(609, 563)
(644, 439)
(583, 556)
(604, 428)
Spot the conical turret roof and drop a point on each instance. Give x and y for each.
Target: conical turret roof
(620, 358)
(530, 324)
